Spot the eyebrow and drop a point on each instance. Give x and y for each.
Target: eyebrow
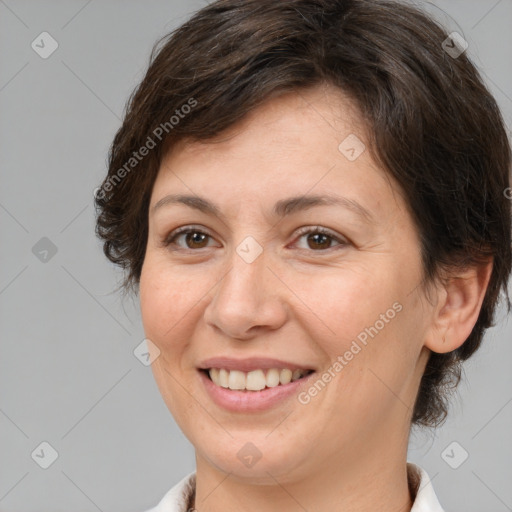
(282, 208)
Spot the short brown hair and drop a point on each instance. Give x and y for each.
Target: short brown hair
(432, 124)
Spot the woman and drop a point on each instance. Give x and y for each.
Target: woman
(309, 196)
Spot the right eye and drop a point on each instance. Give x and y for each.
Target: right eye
(194, 238)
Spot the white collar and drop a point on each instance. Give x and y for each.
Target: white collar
(426, 499)
(176, 500)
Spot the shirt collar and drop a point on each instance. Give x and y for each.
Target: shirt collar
(421, 484)
(177, 499)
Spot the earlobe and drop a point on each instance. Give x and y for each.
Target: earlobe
(457, 311)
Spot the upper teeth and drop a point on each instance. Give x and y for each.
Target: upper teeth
(254, 380)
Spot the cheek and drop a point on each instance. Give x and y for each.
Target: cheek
(167, 300)
(168, 297)
(361, 325)
(345, 302)
(376, 341)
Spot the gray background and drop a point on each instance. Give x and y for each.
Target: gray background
(68, 374)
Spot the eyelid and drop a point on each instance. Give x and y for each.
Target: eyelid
(324, 231)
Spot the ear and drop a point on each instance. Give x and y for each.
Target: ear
(460, 298)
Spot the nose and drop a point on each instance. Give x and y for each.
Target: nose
(247, 300)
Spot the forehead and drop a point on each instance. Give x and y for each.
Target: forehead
(289, 119)
(299, 142)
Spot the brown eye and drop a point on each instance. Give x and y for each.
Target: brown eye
(193, 238)
(320, 239)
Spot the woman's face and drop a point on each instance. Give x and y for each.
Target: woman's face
(254, 292)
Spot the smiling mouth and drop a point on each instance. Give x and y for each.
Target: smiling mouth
(255, 380)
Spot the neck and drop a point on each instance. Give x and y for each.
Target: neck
(374, 478)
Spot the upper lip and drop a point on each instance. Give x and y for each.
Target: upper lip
(249, 364)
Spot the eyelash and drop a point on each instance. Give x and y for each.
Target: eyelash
(170, 240)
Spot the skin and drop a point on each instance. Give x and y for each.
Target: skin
(301, 300)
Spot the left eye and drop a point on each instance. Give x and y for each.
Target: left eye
(320, 238)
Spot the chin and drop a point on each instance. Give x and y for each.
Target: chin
(255, 457)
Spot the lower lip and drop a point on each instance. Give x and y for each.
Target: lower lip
(249, 401)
